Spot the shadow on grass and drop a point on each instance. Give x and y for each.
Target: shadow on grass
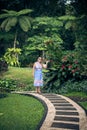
(3, 95)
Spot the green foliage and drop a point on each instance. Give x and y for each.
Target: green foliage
(74, 86)
(25, 23)
(8, 23)
(7, 85)
(45, 30)
(14, 19)
(11, 13)
(54, 52)
(11, 56)
(69, 68)
(81, 42)
(6, 36)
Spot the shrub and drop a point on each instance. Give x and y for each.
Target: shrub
(68, 69)
(12, 56)
(74, 86)
(7, 85)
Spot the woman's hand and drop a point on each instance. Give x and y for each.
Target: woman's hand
(47, 61)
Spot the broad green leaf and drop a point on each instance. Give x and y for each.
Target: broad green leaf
(8, 27)
(3, 24)
(23, 24)
(5, 15)
(13, 21)
(68, 25)
(9, 23)
(27, 20)
(24, 11)
(67, 17)
(10, 11)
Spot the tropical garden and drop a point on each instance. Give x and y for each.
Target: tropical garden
(53, 29)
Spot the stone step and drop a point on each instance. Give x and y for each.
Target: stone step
(60, 118)
(65, 108)
(59, 101)
(65, 125)
(53, 96)
(69, 122)
(76, 116)
(63, 104)
(67, 113)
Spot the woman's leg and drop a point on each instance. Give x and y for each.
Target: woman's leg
(38, 90)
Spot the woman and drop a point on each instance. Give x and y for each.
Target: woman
(37, 73)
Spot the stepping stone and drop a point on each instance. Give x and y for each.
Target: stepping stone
(59, 101)
(54, 98)
(66, 113)
(63, 108)
(65, 125)
(68, 104)
(60, 118)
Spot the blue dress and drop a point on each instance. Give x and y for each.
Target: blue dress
(38, 77)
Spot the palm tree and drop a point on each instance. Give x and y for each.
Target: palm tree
(13, 18)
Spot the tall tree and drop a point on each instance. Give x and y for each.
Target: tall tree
(16, 19)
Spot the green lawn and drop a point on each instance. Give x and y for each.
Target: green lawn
(19, 112)
(23, 76)
(84, 104)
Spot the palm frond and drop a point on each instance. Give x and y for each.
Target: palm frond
(7, 26)
(8, 23)
(13, 21)
(24, 11)
(23, 24)
(3, 24)
(67, 17)
(68, 25)
(9, 11)
(27, 20)
(5, 15)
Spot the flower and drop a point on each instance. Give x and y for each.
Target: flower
(70, 66)
(63, 67)
(73, 71)
(76, 62)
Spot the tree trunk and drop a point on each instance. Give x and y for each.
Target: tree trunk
(15, 39)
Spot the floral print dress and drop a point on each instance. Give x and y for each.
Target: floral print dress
(38, 77)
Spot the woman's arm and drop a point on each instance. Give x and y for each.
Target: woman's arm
(45, 65)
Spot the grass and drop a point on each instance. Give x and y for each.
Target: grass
(23, 76)
(19, 112)
(78, 94)
(84, 104)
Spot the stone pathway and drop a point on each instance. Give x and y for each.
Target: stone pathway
(62, 114)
